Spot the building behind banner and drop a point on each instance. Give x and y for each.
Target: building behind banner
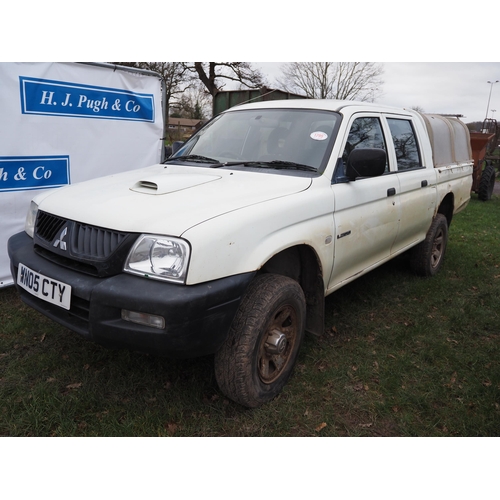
(62, 123)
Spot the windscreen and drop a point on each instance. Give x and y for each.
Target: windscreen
(300, 136)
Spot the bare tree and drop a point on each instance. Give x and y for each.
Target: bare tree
(193, 103)
(419, 109)
(333, 80)
(180, 77)
(213, 74)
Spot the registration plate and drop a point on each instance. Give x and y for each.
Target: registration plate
(43, 287)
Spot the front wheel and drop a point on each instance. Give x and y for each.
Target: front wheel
(257, 358)
(427, 257)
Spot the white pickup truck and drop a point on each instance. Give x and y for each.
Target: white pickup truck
(230, 246)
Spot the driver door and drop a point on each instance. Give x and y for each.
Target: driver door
(366, 212)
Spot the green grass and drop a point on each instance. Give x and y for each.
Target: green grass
(401, 356)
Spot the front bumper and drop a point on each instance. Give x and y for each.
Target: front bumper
(197, 317)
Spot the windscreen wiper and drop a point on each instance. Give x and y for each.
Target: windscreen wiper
(275, 164)
(291, 165)
(193, 158)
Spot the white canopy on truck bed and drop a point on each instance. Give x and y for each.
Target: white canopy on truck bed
(449, 138)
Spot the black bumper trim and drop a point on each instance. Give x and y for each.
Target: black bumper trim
(197, 317)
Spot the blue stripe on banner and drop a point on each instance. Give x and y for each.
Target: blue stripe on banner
(55, 98)
(21, 173)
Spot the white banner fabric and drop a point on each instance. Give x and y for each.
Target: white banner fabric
(62, 123)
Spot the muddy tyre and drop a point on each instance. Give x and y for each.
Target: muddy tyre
(487, 183)
(258, 357)
(427, 257)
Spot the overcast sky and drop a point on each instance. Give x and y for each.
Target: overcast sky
(429, 30)
(451, 87)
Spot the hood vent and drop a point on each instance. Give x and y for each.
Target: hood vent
(169, 183)
(147, 185)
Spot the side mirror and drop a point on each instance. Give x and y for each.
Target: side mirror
(366, 162)
(176, 146)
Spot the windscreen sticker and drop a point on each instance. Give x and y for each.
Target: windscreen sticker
(319, 136)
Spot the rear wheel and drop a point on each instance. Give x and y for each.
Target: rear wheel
(258, 357)
(427, 257)
(487, 183)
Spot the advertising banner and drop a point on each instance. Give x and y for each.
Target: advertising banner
(62, 123)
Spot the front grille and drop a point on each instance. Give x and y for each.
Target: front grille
(92, 242)
(48, 226)
(85, 248)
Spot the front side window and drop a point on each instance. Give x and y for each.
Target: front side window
(405, 143)
(366, 132)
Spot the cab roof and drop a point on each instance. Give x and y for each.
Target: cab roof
(323, 104)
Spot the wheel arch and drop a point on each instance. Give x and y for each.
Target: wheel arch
(447, 207)
(302, 264)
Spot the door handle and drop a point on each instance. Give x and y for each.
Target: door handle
(391, 192)
(424, 184)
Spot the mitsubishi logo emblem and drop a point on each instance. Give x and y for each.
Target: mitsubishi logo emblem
(59, 242)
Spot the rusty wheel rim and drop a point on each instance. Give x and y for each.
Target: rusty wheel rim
(437, 249)
(277, 344)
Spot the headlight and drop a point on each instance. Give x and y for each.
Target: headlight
(29, 225)
(159, 257)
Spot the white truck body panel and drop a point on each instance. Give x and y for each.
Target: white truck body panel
(246, 239)
(235, 221)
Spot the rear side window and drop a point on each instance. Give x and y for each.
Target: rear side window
(405, 143)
